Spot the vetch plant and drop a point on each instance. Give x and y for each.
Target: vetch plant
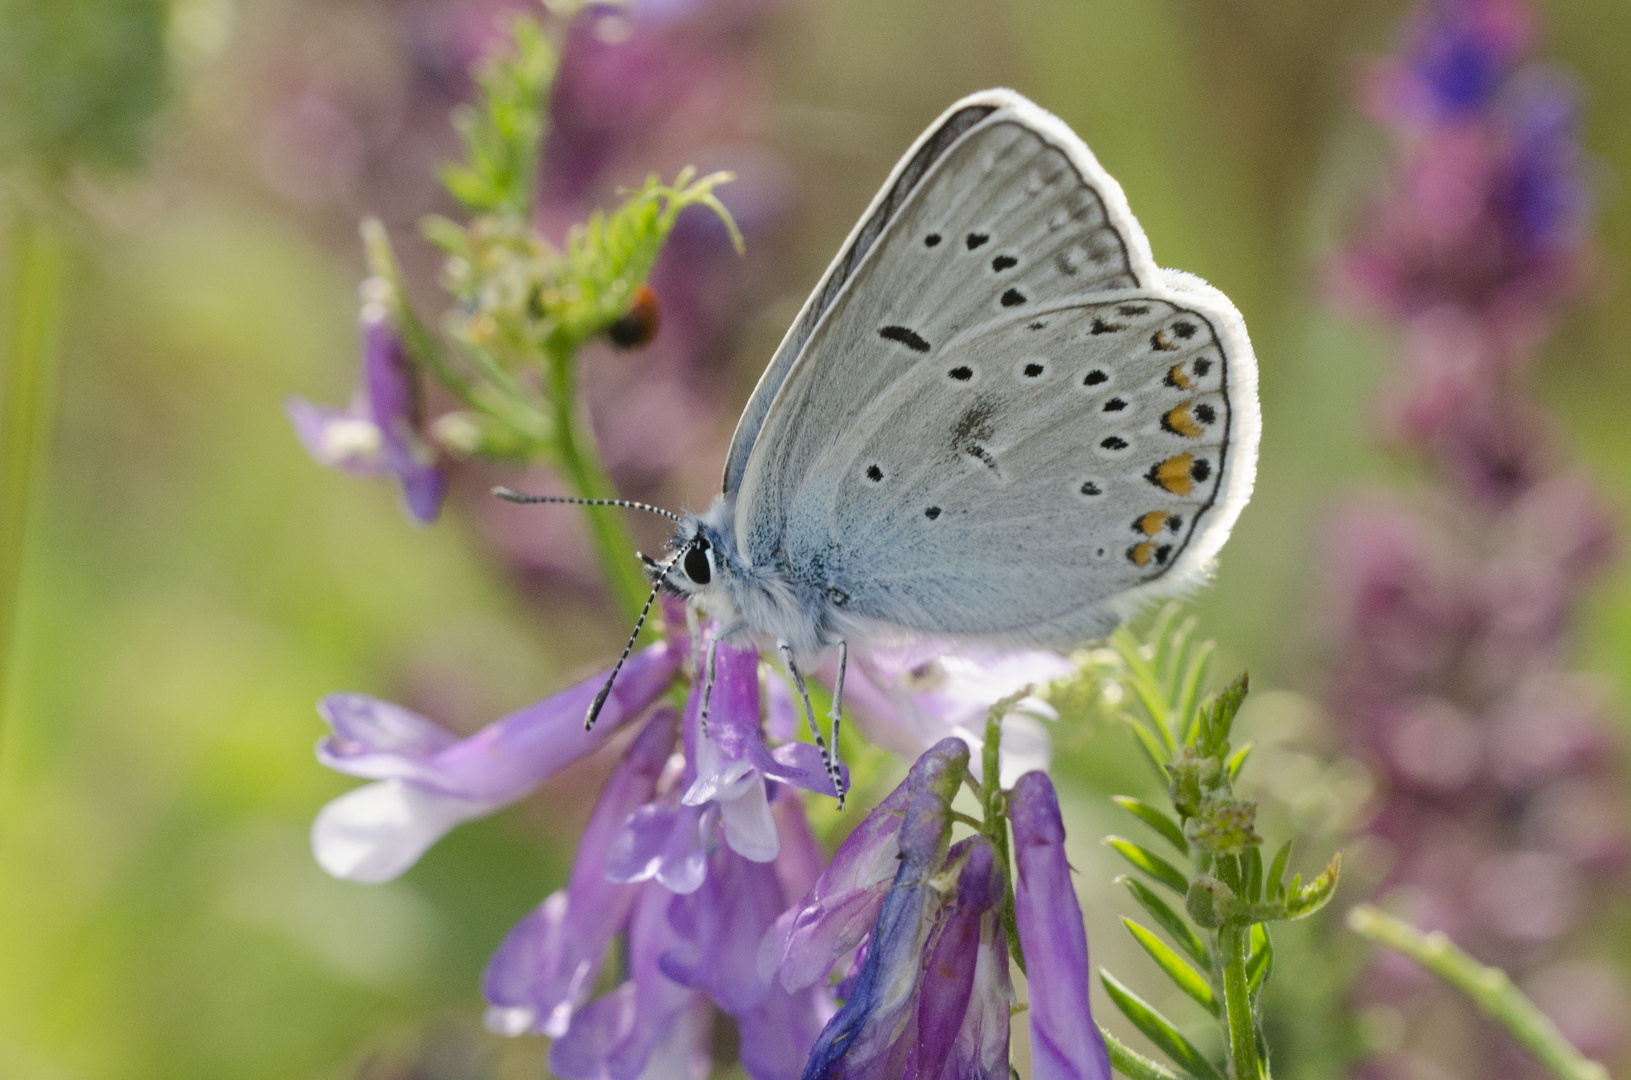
(523, 309)
(1215, 900)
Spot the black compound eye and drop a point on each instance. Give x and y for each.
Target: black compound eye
(696, 563)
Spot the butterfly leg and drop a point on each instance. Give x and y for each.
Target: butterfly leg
(809, 712)
(708, 682)
(837, 715)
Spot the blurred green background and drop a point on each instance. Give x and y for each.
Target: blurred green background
(194, 583)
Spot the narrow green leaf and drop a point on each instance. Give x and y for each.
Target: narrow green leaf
(1190, 688)
(1237, 761)
(1274, 886)
(1129, 1062)
(1218, 717)
(1260, 964)
(1252, 864)
(1185, 977)
(1158, 753)
(1158, 1029)
(1155, 819)
(1151, 863)
(1180, 931)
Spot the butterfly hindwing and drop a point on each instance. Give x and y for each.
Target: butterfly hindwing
(1036, 467)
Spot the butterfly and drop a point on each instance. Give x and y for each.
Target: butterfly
(994, 420)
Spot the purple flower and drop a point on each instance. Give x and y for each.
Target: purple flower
(840, 908)
(1065, 1042)
(380, 432)
(902, 1015)
(908, 698)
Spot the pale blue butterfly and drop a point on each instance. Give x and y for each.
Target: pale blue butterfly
(995, 419)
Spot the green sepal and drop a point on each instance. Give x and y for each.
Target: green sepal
(1150, 863)
(1274, 885)
(1303, 900)
(1251, 863)
(1180, 931)
(1183, 976)
(1158, 1029)
(1155, 819)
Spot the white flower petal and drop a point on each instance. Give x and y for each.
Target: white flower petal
(374, 833)
(750, 829)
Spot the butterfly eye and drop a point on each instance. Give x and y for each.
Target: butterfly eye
(698, 567)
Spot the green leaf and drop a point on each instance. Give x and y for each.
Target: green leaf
(1151, 863)
(1158, 1029)
(1185, 977)
(503, 131)
(1237, 761)
(1129, 1062)
(1303, 900)
(1180, 931)
(1154, 749)
(1260, 964)
(1155, 819)
(1274, 886)
(1189, 689)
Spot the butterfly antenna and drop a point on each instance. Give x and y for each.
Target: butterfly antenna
(639, 624)
(517, 497)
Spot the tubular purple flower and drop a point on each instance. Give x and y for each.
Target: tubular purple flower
(616, 1036)
(1065, 1042)
(547, 965)
(380, 432)
(871, 1034)
(428, 782)
(962, 1034)
(840, 908)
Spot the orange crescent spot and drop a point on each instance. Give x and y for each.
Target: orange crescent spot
(1152, 522)
(1176, 377)
(1179, 422)
(1161, 342)
(1174, 474)
(1141, 554)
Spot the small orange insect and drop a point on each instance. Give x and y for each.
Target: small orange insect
(638, 325)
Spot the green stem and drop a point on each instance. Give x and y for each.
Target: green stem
(34, 277)
(1234, 940)
(1490, 989)
(579, 460)
(994, 808)
(1129, 1062)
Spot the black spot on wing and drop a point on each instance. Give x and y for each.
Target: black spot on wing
(1102, 327)
(1032, 370)
(874, 474)
(1003, 262)
(962, 373)
(932, 240)
(1114, 442)
(975, 239)
(932, 513)
(1012, 298)
(905, 336)
(1095, 377)
(1115, 404)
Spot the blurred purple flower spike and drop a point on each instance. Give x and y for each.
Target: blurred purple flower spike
(1065, 1042)
(427, 781)
(379, 433)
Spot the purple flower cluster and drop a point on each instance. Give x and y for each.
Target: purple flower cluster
(1478, 237)
(699, 861)
(1501, 797)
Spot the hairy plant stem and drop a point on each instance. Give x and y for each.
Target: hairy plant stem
(994, 808)
(578, 458)
(36, 259)
(1234, 939)
(1489, 988)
